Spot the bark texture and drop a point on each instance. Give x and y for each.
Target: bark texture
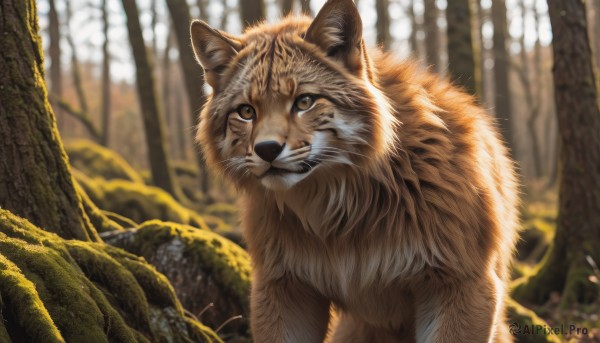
(565, 268)
(252, 11)
(461, 58)
(502, 99)
(153, 121)
(35, 181)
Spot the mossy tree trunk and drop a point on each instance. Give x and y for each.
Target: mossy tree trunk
(502, 99)
(461, 58)
(432, 34)
(35, 180)
(162, 175)
(565, 268)
(192, 73)
(251, 11)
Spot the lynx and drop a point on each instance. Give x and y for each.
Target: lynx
(378, 202)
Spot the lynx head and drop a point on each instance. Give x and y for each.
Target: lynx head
(291, 100)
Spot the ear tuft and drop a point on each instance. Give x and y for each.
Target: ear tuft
(213, 49)
(337, 30)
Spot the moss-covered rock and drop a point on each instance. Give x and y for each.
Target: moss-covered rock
(209, 268)
(56, 290)
(97, 161)
(138, 202)
(523, 324)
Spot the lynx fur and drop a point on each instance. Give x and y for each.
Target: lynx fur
(379, 203)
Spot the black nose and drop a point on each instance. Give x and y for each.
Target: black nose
(268, 150)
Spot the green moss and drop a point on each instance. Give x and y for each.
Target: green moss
(32, 315)
(520, 317)
(97, 161)
(140, 202)
(218, 269)
(56, 290)
(101, 221)
(119, 219)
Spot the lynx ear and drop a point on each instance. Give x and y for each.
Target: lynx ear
(337, 30)
(213, 49)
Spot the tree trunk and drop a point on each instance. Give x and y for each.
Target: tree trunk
(106, 81)
(192, 73)
(75, 70)
(35, 180)
(166, 88)
(482, 74)
(305, 7)
(153, 22)
(224, 16)
(54, 52)
(577, 236)
(153, 121)
(595, 35)
(461, 58)
(531, 101)
(203, 11)
(287, 7)
(384, 38)
(502, 99)
(251, 12)
(180, 127)
(414, 28)
(432, 34)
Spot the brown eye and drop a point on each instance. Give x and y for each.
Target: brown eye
(246, 112)
(304, 102)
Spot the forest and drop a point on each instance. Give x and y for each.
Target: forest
(113, 229)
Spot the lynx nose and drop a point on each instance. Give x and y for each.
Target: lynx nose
(268, 150)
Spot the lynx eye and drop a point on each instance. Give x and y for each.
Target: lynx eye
(304, 102)
(246, 112)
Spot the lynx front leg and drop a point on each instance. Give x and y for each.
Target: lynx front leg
(285, 311)
(464, 311)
